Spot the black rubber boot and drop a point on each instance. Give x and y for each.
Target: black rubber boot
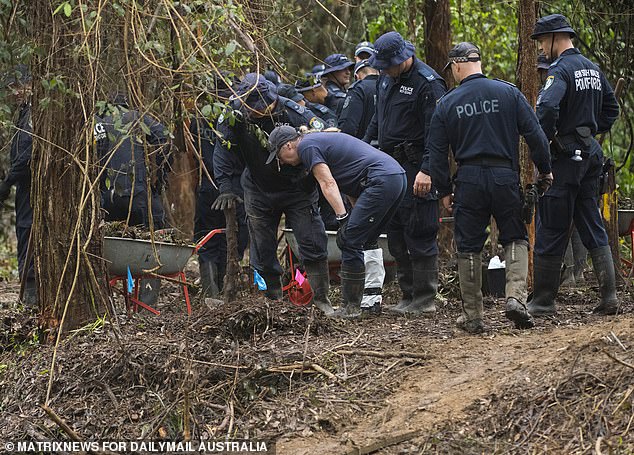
(404, 276)
(516, 258)
(319, 279)
(604, 271)
(470, 276)
(209, 279)
(149, 290)
(273, 286)
(424, 287)
(546, 277)
(29, 299)
(352, 285)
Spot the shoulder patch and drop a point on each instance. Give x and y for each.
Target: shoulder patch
(316, 123)
(549, 82)
(346, 102)
(506, 82)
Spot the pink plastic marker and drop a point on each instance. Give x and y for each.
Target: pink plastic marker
(299, 277)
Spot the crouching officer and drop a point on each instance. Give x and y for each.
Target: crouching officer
(575, 104)
(340, 162)
(18, 83)
(407, 91)
(481, 120)
(271, 190)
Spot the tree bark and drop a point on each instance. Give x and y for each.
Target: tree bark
(65, 197)
(437, 34)
(528, 83)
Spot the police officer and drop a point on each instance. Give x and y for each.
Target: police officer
(482, 120)
(314, 91)
(407, 91)
(128, 192)
(358, 107)
(340, 162)
(363, 51)
(336, 77)
(212, 257)
(18, 83)
(289, 91)
(575, 104)
(316, 71)
(576, 255)
(126, 177)
(271, 190)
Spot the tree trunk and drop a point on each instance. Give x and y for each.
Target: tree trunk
(528, 83)
(65, 198)
(437, 34)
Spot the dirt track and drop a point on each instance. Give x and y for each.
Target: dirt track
(463, 370)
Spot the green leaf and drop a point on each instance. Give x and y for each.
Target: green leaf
(58, 9)
(68, 9)
(230, 48)
(206, 110)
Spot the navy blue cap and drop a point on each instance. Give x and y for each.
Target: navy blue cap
(391, 50)
(553, 23)
(360, 65)
(336, 62)
(289, 91)
(364, 46)
(307, 84)
(272, 76)
(462, 52)
(542, 62)
(261, 92)
(316, 71)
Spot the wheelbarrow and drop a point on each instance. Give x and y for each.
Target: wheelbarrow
(626, 228)
(137, 259)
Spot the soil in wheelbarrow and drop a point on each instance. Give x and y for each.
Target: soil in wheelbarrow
(121, 229)
(271, 371)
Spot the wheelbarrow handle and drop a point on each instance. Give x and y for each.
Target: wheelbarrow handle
(206, 238)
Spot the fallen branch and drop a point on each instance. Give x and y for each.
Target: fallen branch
(385, 442)
(60, 423)
(385, 354)
(616, 359)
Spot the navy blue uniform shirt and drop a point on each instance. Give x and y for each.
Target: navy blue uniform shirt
(483, 118)
(350, 160)
(404, 107)
(327, 115)
(358, 107)
(336, 96)
(20, 171)
(245, 144)
(576, 93)
(204, 140)
(127, 140)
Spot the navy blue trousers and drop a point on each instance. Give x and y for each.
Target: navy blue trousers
(574, 196)
(413, 230)
(481, 192)
(264, 211)
(372, 212)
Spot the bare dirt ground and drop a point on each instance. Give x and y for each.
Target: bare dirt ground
(270, 371)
